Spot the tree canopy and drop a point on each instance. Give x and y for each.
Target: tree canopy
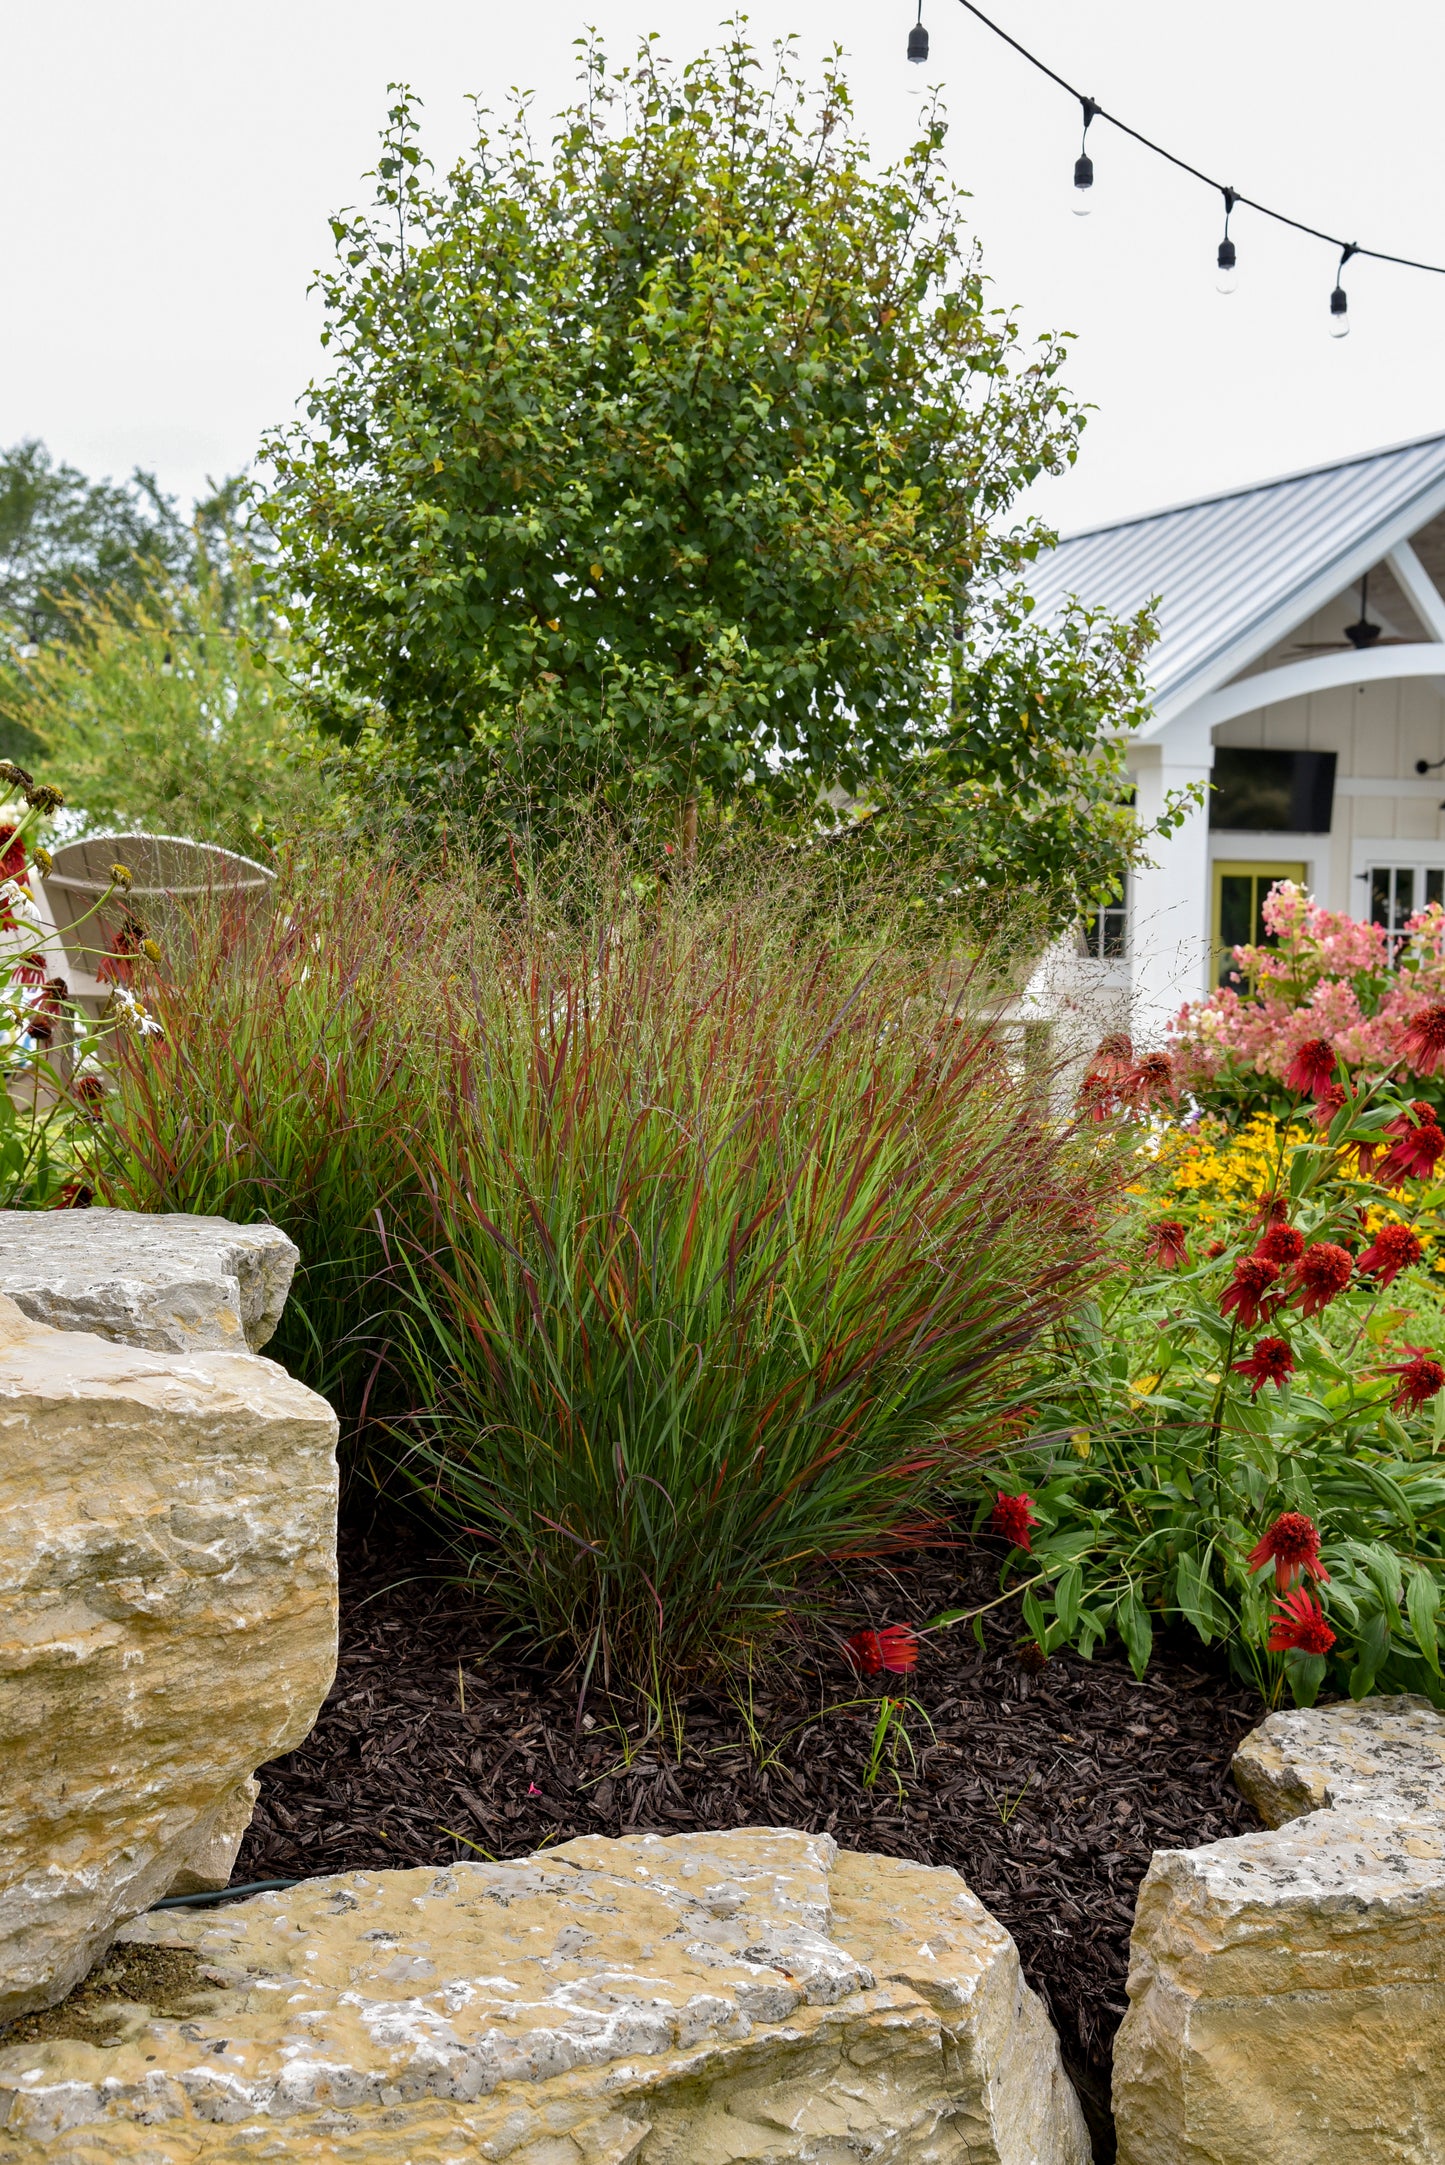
(676, 462)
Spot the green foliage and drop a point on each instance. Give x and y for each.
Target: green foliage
(1155, 1467)
(63, 536)
(167, 707)
(677, 465)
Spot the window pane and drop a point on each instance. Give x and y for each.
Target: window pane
(1404, 895)
(1236, 916)
(1434, 888)
(1115, 924)
(1379, 894)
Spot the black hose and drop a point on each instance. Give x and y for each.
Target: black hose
(224, 1894)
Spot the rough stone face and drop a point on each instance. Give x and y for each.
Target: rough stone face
(167, 1623)
(1287, 1990)
(1385, 1753)
(176, 1284)
(700, 1999)
(1286, 1998)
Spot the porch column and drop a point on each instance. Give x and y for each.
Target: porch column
(1169, 914)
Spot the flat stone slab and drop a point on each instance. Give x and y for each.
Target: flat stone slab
(1385, 1753)
(690, 2000)
(167, 1625)
(176, 1284)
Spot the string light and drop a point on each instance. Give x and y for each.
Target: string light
(1083, 164)
(1227, 275)
(1339, 299)
(1226, 261)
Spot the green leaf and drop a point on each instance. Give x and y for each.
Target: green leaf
(1067, 1595)
(1422, 1606)
(1136, 1631)
(1306, 1673)
(1374, 1644)
(1196, 1596)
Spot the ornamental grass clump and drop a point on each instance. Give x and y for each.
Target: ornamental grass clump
(295, 1052)
(737, 1237)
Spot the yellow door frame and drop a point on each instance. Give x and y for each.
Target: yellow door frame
(1263, 876)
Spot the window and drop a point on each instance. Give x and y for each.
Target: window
(1106, 929)
(1272, 792)
(1239, 896)
(1398, 890)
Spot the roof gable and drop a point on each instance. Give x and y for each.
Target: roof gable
(1236, 573)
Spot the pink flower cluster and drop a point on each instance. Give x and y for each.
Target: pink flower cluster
(1329, 977)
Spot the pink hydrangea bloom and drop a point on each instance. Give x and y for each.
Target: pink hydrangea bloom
(1330, 976)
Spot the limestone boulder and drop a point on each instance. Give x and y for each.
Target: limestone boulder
(176, 1283)
(1388, 1754)
(167, 1624)
(1287, 1989)
(699, 1999)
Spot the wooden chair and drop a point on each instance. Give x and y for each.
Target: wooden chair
(166, 869)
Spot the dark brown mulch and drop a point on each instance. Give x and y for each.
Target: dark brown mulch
(1047, 1791)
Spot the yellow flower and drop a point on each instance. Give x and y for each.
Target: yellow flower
(1143, 1385)
(1079, 1442)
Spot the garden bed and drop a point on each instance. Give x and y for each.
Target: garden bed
(1048, 1791)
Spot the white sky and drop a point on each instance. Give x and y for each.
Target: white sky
(167, 167)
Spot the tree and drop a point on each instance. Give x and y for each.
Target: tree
(62, 534)
(167, 708)
(678, 464)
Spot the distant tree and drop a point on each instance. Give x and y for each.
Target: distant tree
(678, 467)
(168, 707)
(62, 534)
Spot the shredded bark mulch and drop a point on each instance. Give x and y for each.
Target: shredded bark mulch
(1047, 1790)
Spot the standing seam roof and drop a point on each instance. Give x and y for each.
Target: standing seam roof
(1228, 565)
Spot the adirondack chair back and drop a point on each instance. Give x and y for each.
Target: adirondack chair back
(167, 871)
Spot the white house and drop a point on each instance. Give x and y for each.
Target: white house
(1300, 670)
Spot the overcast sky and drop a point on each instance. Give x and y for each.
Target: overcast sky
(167, 168)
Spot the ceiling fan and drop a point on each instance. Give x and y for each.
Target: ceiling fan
(1361, 634)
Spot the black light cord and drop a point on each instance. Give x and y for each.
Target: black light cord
(1094, 111)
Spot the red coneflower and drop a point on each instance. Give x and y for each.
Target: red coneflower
(1412, 1156)
(1312, 1069)
(1270, 1210)
(1322, 1271)
(1420, 1378)
(1282, 1244)
(1292, 1545)
(894, 1648)
(1215, 1248)
(1423, 1043)
(1328, 1102)
(1299, 1625)
(1099, 1095)
(1252, 1291)
(1393, 1249)
(1164, 1245)
(1013, 1518)
(1270, 1362)
(1150, 1081)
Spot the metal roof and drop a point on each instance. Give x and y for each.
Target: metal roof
(1235, 573)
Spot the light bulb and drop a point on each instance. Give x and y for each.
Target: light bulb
(918, 44)
(1339, 314)
(1083, 186)
(1227, 276)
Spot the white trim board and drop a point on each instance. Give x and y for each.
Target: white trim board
(1321, 673)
